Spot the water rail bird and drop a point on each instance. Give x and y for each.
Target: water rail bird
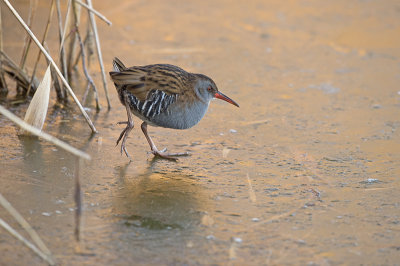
(162, 95)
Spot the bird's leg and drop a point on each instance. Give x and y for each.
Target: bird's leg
(123, 131)
(124, 134)
(154, 149)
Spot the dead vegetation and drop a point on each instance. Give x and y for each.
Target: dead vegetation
(72, 50)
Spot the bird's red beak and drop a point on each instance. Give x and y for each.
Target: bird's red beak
(221, 96)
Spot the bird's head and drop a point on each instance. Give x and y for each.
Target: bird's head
(206, 90)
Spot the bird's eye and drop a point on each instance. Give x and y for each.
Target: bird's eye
(209, 89)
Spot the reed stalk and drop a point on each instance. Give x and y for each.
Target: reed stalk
(73, 24)
(18, 236)
(28, 41)
(99, 55)
(90, 8)
(52, 62)
(63, 63)
(83, 57)
(3, 84)
(26, 226)
(46, 31)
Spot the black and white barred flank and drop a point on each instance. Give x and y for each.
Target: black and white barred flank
(156, 103)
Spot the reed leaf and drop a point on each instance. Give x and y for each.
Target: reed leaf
(37, 110)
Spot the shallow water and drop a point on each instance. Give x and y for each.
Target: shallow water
(306, 171)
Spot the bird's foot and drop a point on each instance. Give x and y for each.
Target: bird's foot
(169, 156)
(120, 137)
(124, 136)
(123, 148)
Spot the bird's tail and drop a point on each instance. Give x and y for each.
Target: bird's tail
(118, 65)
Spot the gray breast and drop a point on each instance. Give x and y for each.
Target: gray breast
(163, 110)
(178, 117)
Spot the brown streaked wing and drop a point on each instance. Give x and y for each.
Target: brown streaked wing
(131, 80)
(140, 80)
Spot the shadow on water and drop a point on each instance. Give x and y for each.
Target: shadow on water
(161, 199)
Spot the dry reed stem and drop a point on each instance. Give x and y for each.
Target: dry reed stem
(62, 52)
(89, 43)
(3, 84)
(59, 92)
(25, 225)
(43, 135)
(90, 8)
(85, 94)
(252, 195)
(15, 72)
(64, 32)
(73, 26)
(88, 77)
(53, 63)
(28, 41)
(83, 56)
(61, 36)
(279, 216)
(14, 233)
(46, 31)
(99, 54)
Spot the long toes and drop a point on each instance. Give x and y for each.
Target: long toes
(122, 122)
(120, 136)
(169, 156)
(164, 153)
(127, 155)
(164, 156)
(179, 154)
(126, 152)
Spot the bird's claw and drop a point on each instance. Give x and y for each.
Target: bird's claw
(169, 156)
(126, 153)
(123, 136)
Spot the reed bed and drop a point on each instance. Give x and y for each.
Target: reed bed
(72, 49)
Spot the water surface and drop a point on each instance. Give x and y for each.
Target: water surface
(306, 171)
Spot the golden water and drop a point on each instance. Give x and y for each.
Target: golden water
(306, 171)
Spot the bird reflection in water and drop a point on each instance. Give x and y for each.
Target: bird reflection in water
(159, 198)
